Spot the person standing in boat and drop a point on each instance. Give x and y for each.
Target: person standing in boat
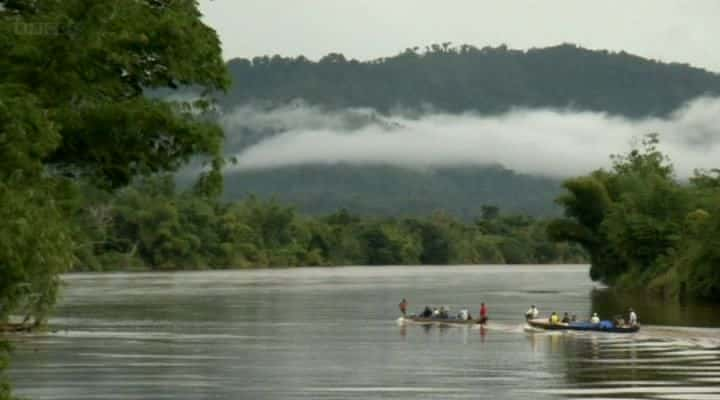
(595, 319)
(403, 307)
(483, 313)
(632, 317)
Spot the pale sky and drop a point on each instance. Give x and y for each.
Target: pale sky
(684, 31)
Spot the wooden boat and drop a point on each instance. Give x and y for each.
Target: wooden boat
(16, 327)
(441, 321)
(603, 326)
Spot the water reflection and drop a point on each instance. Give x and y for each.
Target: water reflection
(654, 310)
(628, 366)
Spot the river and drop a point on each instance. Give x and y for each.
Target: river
(333, 333)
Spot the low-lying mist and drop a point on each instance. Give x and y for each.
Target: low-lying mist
(549, 142)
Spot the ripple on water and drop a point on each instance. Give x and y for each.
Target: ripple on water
(330, 334)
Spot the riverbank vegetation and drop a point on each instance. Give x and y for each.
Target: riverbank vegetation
(73, 109)
(643, 228)
(152, 225)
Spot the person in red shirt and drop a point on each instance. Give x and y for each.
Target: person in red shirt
(483, 313)
(403, 307)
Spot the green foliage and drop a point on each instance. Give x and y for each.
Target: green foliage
(73, 104)
(489, 212)
(87, 78)
(151, 225)
(642, 228)
(487, 80)
(35, 246)
(436, 244)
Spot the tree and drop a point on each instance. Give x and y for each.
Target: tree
(435, 244)
(465, 78)
(637, 222)
(488, 212)
(73, 105)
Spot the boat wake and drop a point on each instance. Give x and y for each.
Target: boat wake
(658, 362)
(671, 336)
(653, 335)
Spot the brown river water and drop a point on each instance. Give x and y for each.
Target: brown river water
(333, 333)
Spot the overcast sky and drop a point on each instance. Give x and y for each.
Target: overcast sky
(683, 31)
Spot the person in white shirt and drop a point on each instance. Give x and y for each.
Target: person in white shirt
(595, 319)
(632, 318)
(463, 314)
(532, 313)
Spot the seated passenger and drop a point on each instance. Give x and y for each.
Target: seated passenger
(554, 318)
(443, 312)
(573, 318)
(595, 319)
(532, 313)
(436, 313)
(427, 312)
(463, 314)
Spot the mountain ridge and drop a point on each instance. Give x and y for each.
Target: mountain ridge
(442, 78)
(466, 78)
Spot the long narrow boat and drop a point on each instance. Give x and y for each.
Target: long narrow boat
(16, 327)
(603, 326)
(441, 321)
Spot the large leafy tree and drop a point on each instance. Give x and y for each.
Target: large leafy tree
(633, 219)
(74, 79)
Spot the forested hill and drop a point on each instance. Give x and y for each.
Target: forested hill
(438, 78)
(385, 190)
(487, 80)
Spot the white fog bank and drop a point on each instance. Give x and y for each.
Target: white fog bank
(555, 143)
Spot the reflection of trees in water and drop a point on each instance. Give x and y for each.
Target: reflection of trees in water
(442, 330)
(590, 360)
(587, 359)
(653, 310)
(604, 361)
